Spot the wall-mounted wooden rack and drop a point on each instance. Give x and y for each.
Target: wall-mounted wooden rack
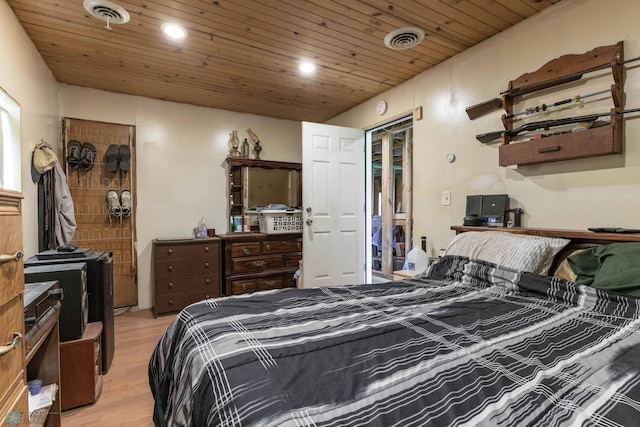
(596, 141)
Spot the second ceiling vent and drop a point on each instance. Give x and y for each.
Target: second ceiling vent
(404, 38)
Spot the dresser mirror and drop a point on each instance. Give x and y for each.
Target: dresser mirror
(257, 183)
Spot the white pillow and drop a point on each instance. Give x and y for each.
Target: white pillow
(518, 251)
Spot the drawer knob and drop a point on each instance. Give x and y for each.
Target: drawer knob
(170, 251)
(206, 248)
(170, 268)
(207, 296)
(298, 245)
(170, 285)
(170, 302)
(244, 286)
(17, 337)
(7, 258)
(246, 251)
(207, 280)
(206, 265)
(271, 282)
(258, 263)
(268, 247)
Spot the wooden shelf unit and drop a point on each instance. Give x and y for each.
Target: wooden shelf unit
(597, 141)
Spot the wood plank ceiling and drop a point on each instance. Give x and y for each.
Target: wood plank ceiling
(242, 55)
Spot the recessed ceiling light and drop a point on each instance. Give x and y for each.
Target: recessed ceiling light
(307, 67)
(174, 31)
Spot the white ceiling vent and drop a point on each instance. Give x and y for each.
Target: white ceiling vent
(404, 38)
(107, 11)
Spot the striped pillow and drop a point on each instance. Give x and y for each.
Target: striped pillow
(518, 251)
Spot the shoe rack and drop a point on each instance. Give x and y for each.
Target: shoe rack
(97, 228)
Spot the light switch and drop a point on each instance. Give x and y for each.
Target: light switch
(446, 198)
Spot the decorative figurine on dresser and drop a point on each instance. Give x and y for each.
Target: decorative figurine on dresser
(185, 271)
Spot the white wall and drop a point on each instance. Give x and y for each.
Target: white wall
(27, 79)
(574, 194)
(180, 153)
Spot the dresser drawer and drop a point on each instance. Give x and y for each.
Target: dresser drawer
(201, 282)
(180, 267)
(243, 286)
(271, 282)
(15, 410)
(11, 272)
(292, 260)
(11, 363)
(176, 302)
(288, 280)
(173, 251)
(252, 264)
(281, 246)
(245, 249)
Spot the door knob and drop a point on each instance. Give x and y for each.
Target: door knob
(309, 209)
(309, 221)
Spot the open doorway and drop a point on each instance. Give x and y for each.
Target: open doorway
(391, 178)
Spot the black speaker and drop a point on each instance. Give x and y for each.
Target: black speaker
(474, 206)
(72, 278)
(473, 212)
(494, 209)
(99, 290)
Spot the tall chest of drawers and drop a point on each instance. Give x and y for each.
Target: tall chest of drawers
(13, 385)
(185, 271)
(256, 261)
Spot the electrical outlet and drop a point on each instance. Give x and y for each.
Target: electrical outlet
(446, 198)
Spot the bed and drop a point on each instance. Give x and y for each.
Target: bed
(471, 342)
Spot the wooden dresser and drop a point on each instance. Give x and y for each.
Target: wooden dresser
(257, 261)
(185, 271)
(14, 408)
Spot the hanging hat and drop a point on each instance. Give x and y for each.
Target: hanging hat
(43, 157)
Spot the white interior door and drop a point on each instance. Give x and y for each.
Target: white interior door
(333, 197)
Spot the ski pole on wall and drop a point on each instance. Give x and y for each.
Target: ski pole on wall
(545, 107)
(546, 124)
(494, 104)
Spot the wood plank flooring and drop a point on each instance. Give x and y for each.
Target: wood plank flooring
(126, 398)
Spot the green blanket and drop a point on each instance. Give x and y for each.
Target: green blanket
(613, 267)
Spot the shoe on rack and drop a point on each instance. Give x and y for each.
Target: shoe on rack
(74, 149)
(125, 202)
(113, 201)
(111, 157)
(87, 156)
(124, 154)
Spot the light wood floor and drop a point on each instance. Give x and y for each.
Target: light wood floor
(126, 398)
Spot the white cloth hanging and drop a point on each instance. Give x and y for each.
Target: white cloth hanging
(65, 216)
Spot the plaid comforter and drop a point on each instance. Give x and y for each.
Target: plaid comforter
(469, 345)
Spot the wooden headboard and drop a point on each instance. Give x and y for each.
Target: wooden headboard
(576, 236)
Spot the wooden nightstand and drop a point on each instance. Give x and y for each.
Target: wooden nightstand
(81, 368)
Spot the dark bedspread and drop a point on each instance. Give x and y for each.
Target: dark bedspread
(471, 345)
